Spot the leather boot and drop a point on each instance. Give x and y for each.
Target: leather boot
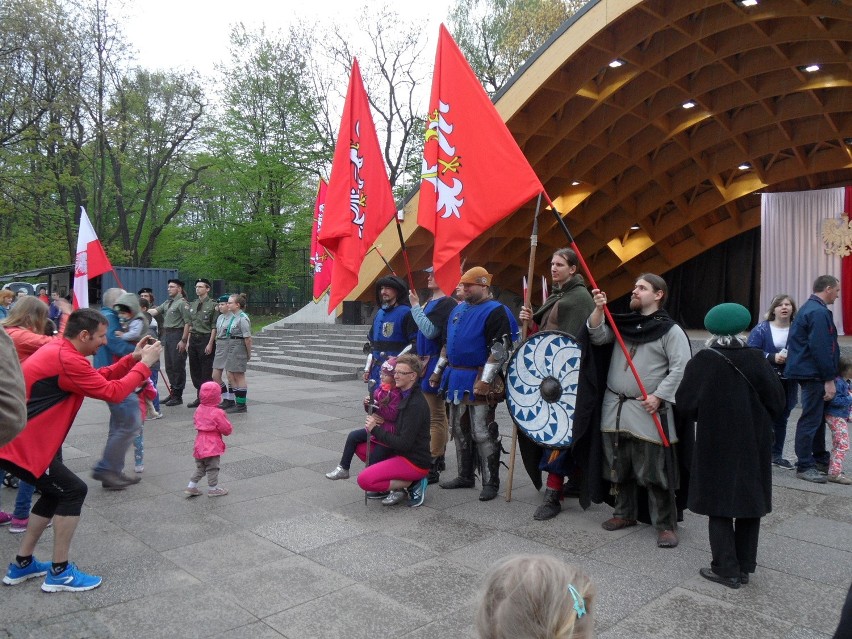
(226, 403)
(434, 475)
(464, 456)
(551, 507)
(490, 469)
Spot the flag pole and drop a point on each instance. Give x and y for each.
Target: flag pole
(404, 250)
(524, 332)
(376, 249)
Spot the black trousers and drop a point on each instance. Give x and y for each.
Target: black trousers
(175, 361)
(200, 363)
(733, 543)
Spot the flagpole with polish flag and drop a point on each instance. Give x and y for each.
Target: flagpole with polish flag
(91, 261)
(474, 174)
(359, 202)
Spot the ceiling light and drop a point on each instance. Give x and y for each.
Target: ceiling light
(635, 227)
(618, 62)
(746, 3)
(575, 183)
(809, 68)
(745, 166)
(848, 141)
(688, 104)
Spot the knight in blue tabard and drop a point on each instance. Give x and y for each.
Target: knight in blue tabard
(393, 327)
(479, 332)
(431, 319)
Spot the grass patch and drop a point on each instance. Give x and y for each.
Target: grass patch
(259, 321)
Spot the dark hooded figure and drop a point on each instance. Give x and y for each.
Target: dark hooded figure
(393, 327)
(734, 396)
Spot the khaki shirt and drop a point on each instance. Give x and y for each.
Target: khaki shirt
(202, 316)
(175, 312)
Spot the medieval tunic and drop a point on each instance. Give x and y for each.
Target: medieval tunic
(393, 329)
(660, 364)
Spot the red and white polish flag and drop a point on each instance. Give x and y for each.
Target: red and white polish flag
(91, 261)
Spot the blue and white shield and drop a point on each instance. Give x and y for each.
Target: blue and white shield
(541, 387)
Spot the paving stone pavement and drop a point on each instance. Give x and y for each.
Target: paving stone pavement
(291, 554)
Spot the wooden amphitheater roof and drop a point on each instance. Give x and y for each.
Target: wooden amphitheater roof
(644, 180)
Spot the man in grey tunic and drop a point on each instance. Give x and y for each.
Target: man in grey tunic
(633, 451)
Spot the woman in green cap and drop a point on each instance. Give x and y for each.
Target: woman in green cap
(734, 395)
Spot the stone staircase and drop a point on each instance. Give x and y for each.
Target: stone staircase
(325, 352)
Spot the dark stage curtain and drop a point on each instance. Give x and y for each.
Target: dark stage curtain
(728, 272)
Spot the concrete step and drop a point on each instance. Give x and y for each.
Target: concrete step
(341, 366)
(323, 375)
(324, 350)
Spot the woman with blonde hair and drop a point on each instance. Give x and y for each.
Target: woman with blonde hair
(6, 297)
(27, 321)
(536, 597)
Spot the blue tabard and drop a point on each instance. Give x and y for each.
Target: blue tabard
(387, 335)
(466, 349)
(430, 348)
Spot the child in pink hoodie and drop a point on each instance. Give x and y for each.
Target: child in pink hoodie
(211, 423)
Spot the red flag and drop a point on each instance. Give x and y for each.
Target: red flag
(321, 261)
(359, 203)
(474, 173)
(91, 261)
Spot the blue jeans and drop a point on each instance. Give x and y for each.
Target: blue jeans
(810, 430)
(24, 500)
(125, 420)
(155, 376)
(791, 388)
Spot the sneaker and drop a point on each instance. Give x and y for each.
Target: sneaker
(822, 468)
(237, 408)
(173, 401)
(839, 479)
(812, 475)
(16, 574)
(782, 463)
(338, 473)
(217, 491)
(71, 579)
(152, 415)
(375, 495)
(139, 468)
(18, 525)
(417, 490)
(195, 403)
(5, 518)
(395, 497)
(192, 492)
(130, 480)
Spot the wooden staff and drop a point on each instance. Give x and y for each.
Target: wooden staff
(524, 331)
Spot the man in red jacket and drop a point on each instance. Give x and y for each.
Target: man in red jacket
(58, 377)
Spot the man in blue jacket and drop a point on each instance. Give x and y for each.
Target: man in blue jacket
(813, 358)
(125, 417)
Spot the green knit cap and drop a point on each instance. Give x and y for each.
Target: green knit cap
(727, 319)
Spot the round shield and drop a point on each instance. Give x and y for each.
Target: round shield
(541, 387)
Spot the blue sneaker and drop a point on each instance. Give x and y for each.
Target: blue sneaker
(16, 574)
(70, 579)
(418, 492)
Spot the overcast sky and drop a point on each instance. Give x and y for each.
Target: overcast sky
(187, 34)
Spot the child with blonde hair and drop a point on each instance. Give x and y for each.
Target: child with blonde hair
(536, 597)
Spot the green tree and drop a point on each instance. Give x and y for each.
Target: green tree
(497, 36)
(254, 207)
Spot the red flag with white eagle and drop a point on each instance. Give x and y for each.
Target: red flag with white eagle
(321, 261)
(474, 173)
(91, 261)
(359, 203)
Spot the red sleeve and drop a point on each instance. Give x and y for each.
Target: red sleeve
(78, 376)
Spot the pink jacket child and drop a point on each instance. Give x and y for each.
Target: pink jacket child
(211, 424)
